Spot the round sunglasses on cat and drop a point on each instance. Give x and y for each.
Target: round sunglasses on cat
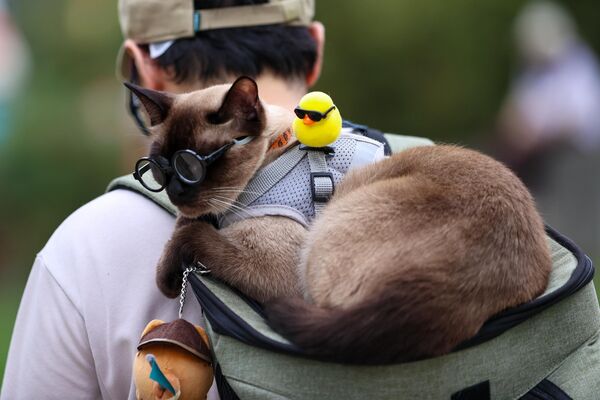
(188, 167)
(316, 116)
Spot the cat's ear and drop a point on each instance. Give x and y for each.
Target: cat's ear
(241, 101)
(157, 104)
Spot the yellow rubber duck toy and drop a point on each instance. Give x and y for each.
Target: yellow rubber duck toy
(318, 122)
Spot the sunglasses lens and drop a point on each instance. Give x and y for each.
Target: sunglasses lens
(189, 168)
(151, 175)
(315, 116)
(299, 113)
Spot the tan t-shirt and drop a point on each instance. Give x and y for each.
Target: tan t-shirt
(89, 296)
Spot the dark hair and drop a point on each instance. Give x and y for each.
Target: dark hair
(286, 51)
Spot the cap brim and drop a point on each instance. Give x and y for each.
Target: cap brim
(203, 356)
(123, 66)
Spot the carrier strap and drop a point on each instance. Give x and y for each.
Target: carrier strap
(225, 390)
(546, 390)
(480, 391)
(128, 182)
(374, 134)
(321, 180)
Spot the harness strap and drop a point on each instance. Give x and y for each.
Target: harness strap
(270, 175)
(128, 182)
(321, 180)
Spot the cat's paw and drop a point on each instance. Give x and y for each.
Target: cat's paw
(169, 282)
(184, 249)
(169, 272)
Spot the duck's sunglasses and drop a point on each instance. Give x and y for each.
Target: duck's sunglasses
(187, 166)
(316, 116)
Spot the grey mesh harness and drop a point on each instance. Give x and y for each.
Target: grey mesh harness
(299, 183)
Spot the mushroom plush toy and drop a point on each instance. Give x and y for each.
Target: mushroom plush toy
(173, 362)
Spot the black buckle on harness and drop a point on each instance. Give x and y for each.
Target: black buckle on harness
(321, 197)
(328, 150)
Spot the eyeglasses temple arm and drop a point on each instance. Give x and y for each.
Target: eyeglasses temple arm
(142, 171)
(217, 153)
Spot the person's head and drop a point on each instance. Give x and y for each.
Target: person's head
(179, 45)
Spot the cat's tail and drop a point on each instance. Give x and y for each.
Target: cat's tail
(392, 328)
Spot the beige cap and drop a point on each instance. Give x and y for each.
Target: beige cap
(152, 21)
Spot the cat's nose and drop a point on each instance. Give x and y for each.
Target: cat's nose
(177, 191)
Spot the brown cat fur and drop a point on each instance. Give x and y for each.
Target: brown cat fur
(409, 259)
(412, 255)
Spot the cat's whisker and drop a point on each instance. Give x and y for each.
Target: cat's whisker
(237, 213)
(238, 188)
(234, 202)
(219, 204)
(231, 190)
(228, 187)
(234, 209)
(234, 206)
(230, 202)
(242, 214)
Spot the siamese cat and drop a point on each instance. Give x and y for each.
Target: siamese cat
(410, 257)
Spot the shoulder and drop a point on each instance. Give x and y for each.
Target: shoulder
(112, 207)
(120, 231)
(403, 142)
(120, 218)
(103, 257)
(393, 143)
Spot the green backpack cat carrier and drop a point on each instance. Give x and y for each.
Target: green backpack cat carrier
(545, 349)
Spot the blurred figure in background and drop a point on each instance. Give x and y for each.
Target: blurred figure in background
(13, 65)
(550, 122)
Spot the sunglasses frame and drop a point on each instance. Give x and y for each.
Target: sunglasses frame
(318, 116)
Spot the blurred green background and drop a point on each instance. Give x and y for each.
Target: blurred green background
(427, 68)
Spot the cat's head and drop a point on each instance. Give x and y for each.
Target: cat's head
(204, 121)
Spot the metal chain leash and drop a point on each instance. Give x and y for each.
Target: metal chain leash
(198, 268)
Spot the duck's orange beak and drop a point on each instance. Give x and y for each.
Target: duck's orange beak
(307, 121)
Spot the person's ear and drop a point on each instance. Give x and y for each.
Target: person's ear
(151, 76)
(317, 31)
